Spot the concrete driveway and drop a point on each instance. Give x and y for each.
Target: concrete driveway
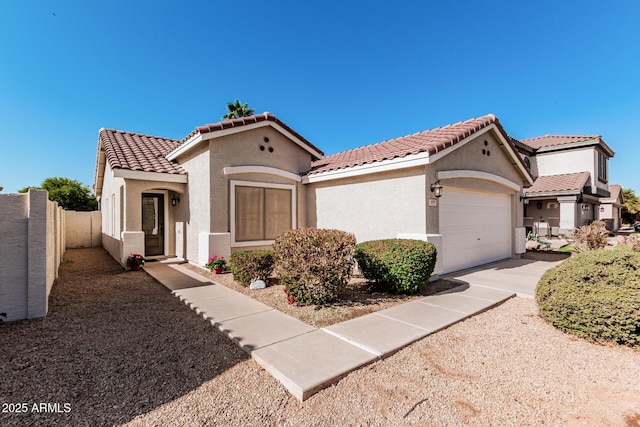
(515, 275)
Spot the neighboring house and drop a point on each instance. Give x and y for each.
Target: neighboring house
(571, 182)
(239, 183)
(611, 207)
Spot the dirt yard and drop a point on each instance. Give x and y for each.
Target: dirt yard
(118, 349)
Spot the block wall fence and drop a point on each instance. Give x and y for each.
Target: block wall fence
(33, 239)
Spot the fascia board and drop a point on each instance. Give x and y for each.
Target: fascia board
(188, 145)
(409, 161)
(150, 176)
(581, 144)
(552, 193)
(196, 139)
(505, 143)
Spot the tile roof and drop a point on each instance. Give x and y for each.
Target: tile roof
(243, 121)
(429, 141)
(564, 182)
(554, 140)
(137, 152)
(615, 190)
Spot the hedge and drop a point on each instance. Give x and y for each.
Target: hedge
(397, 265)
(313, 264)
(594, 295)
(251, 265)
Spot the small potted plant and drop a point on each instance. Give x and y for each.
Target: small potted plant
(135, 261)
(216, 264)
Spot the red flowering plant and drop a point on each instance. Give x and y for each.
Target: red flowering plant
(216, 263)
(135, 260)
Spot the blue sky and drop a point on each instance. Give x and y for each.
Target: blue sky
(341, 73)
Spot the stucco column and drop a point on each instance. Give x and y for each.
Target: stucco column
(37, 254)
(568, 209)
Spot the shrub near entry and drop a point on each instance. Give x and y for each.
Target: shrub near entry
(313, 264)
(594, 295)
(398, 265)
(251, 265)
(592, 236)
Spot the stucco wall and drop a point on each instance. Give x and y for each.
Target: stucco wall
(487, 154)
(31, 249)
(573, 161)
(83, 229)
(112, 213)
(195, 207)
(244, 150)
(375, 206)
(207, 207)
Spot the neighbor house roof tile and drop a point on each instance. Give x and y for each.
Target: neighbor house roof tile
(615, 190)
(137, 152)
(554, 140)
(429, 141)
(563, 182)
(244, 121)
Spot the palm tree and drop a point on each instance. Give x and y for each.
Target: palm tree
(237, 110)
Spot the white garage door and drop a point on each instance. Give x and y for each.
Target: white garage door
(475, 228)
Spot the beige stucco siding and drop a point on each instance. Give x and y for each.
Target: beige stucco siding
(195, 206)
(376, 206)
(112, 209)
(485, 154)
(573, 161)
(243, 149)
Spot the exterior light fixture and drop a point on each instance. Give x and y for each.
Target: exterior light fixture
(175, 200)
(436, 189)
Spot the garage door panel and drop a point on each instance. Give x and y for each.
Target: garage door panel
(476, 228)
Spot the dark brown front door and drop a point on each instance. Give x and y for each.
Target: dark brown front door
(153, 223)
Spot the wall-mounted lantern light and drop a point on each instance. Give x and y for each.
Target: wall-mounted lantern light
(175, 200)
(436, 189)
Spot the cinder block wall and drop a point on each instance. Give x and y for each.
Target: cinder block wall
(83, 229)
(31, 249)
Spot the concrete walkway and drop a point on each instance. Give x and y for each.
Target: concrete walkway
(519, 276)
(306, 359)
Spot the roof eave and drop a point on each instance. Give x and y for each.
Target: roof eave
(580, 144)
(199, 137)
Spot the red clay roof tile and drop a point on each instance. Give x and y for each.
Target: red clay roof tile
(137, 152)
(563, 182)
(615, 190)
(430, 141)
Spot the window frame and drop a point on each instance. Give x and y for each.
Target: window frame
(232, 209)
(603, 167)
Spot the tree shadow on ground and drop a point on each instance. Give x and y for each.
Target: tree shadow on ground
(115, 345)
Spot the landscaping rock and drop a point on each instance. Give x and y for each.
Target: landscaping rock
(532, 245)
(257, 284)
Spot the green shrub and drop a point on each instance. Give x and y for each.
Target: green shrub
(592, 236)
(397, 265)
(313, 264)
(594, 295)
(251, 265)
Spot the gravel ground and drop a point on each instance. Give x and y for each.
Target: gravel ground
(119, 349)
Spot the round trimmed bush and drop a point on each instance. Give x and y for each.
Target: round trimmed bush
(594, 295)
(397, 265)
(251, 265)
(313, 264)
